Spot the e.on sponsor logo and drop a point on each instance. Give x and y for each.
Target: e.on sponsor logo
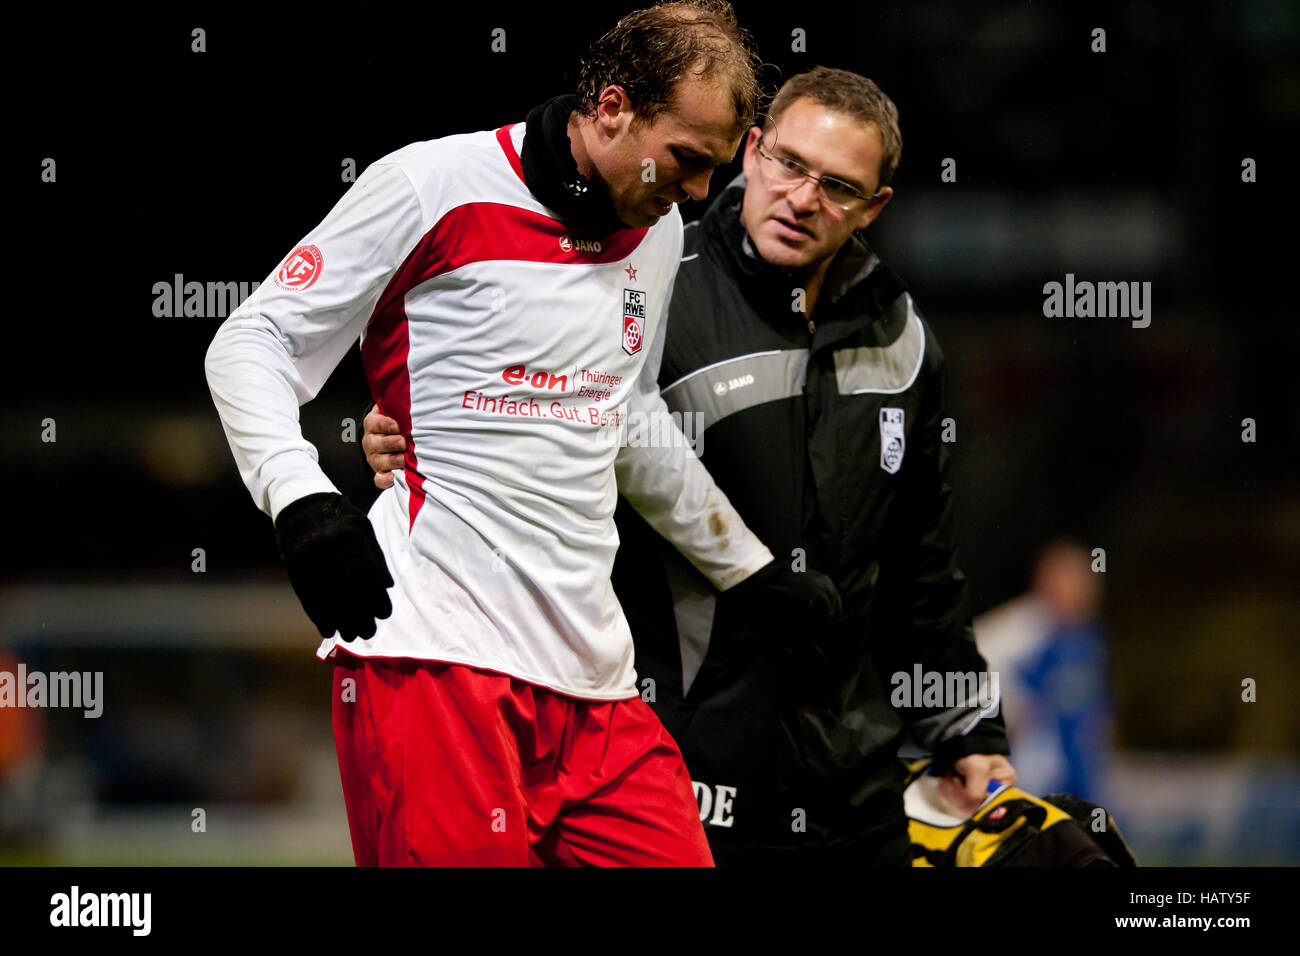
(538, 378)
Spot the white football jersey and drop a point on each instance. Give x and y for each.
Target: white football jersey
(514, 354)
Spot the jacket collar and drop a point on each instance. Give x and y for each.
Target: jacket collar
(551, 172)
(858, 286)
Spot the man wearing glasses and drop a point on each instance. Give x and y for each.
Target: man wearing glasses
(820, 387)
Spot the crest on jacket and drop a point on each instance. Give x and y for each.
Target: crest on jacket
(891, 439)
(634, 309)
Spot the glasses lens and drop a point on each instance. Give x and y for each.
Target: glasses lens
(788, 170)
(837, 192)
(778, 167)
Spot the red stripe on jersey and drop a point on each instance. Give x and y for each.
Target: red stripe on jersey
(475, 232)
(507, 144)
(384, 352)
(486, 232)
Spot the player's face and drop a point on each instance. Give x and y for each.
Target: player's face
(650, 166)
(791, 223)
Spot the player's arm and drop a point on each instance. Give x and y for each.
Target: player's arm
(671, 489)
(274, 353)
(923, 612)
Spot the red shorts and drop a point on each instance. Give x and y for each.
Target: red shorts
(445, 764)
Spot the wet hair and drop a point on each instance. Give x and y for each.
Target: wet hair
(649, 50)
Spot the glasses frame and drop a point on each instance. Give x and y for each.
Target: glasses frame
(802, 171)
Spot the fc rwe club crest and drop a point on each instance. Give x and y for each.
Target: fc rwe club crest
(634, 315)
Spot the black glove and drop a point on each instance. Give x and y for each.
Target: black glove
(335, 564)
(805, 595)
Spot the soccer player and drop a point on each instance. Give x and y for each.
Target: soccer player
(821, 387)
(488, 714)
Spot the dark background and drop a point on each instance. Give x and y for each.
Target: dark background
(1116, 166)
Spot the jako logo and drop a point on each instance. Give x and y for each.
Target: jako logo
(582, 245)
(721, 388)
(300, 269)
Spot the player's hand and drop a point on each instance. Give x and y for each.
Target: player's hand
(966, 785)
(335, 564)
(808, 596)
(383, 445)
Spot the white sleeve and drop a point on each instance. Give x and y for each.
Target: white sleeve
(276, 350)
(669, 487)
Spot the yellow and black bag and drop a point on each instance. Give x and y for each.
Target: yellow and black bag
(1011, 828)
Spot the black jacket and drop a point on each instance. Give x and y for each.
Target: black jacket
(788, 731)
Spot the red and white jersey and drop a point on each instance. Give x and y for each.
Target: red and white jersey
(512, 353)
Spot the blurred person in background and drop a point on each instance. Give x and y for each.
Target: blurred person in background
(22, 752)
(1049, 650)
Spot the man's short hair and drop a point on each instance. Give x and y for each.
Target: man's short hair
(853, 95)
(649, 50)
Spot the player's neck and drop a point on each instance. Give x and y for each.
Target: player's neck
(578, 146)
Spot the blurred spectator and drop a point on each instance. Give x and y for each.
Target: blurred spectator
(22, 737)
(1049, 651)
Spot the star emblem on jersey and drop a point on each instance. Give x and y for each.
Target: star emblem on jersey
(634, 309)
(631, 273)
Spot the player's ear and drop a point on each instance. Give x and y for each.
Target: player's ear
(749, 150)
(614, 108)
(874, 208)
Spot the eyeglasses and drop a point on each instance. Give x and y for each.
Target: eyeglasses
(837, 191)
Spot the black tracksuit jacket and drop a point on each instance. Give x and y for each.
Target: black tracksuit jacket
(787, 729)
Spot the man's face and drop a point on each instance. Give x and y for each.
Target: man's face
(650, 167)
(790, 223)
